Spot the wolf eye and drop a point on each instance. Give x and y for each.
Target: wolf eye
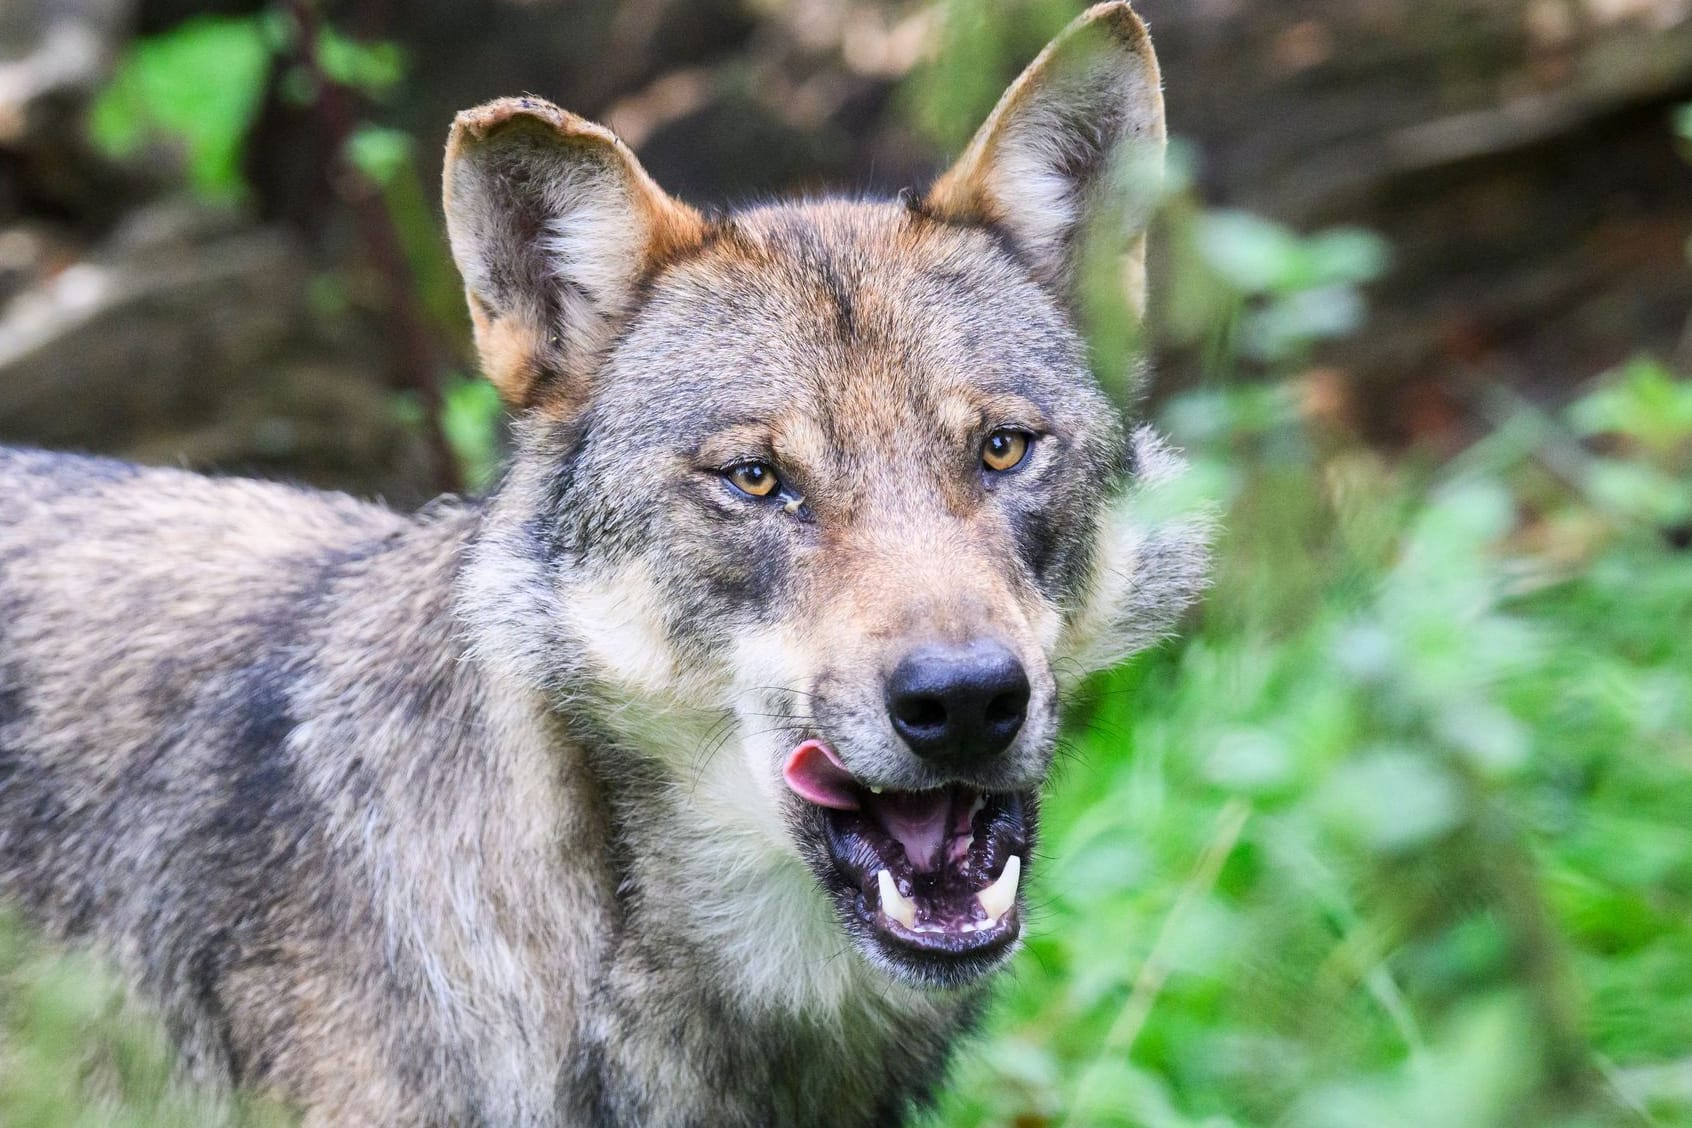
(755, 479)
(1004, 449)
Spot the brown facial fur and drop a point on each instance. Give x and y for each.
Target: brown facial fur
(893, 344)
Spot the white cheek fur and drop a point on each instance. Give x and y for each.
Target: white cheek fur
(1152, 562)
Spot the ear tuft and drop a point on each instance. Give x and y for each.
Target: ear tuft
(1045, 167)
(553, 224)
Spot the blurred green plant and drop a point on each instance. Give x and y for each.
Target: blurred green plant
(1391, 838)
(73, 1054)
(198, 86)
(374, 69)
(471, 416)
(1283, 294)
(1395, 834)
(981, 48)
(1642, 414)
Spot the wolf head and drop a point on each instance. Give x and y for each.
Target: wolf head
(819, 504)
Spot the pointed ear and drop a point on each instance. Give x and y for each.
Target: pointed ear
(553, 225)
(1047, 165)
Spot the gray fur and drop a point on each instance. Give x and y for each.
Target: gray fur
(476, 816)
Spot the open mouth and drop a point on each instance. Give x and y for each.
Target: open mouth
(933, 874)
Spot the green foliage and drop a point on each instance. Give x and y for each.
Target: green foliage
(72, 1054)
(1644, 404)
(1453, 806)
(375, 69)
(1643, 414)
(198, 86)
(470, 417)
(981, 49)
(1290, 292)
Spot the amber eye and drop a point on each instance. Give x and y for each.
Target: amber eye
(1004, 449)
(756, 479)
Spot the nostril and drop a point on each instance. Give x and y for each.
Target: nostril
(920, 712)
(1007, 708)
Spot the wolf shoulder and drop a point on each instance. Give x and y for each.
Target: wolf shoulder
(124, 589)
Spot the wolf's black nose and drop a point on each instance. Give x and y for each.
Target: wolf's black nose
(955, 702)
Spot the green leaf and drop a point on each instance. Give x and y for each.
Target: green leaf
(1253, 254)
(197, 86)
(470, 415)
(1395, 799)
(383, 155)
(372, 68)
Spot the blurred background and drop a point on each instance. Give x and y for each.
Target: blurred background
(1398, 833)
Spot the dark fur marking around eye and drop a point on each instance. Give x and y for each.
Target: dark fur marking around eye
(755, 576)
(1036, 532)
(1049, 539)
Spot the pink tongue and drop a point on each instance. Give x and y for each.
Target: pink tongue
(918, 819)
(816, 775)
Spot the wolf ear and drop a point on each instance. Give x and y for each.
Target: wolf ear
(553, 224)
(1046, 167)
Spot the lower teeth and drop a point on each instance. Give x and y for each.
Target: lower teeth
(995, 901)
(895, 904)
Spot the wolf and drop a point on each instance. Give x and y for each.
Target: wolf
(691, 776)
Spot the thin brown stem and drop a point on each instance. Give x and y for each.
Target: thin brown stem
(417, 354)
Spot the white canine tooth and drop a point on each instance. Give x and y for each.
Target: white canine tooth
(874, 790)
(998, 897)
(895, 904)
